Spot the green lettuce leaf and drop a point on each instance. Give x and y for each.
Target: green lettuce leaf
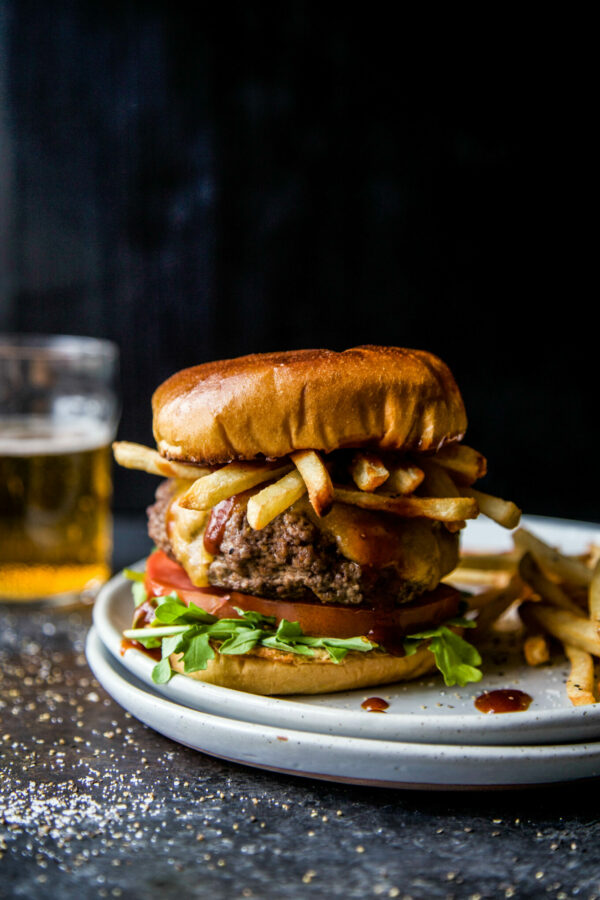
(456, 659)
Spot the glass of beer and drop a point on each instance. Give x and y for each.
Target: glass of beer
(59, 410)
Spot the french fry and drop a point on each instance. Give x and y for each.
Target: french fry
(504, 512)
(484, 578)
(551, 560)
(465, 463)
(444, 509)
(580, 683)
(594, 595)
(404, 479)
(316, 478)
(498, 605)
(136, 456)
(531, 573)
(367, 470)
(536, 650)
(490, 562)
(438, 482)
(482, 598)
(274, 499)
(206, 492)
(562, 624)
(591, 556)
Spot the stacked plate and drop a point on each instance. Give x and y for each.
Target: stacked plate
(429, 736)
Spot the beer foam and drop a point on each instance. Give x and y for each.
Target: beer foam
(42, 436)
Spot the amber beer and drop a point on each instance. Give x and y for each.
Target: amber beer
(55, 493)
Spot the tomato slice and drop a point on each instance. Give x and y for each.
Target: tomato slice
(318, 619)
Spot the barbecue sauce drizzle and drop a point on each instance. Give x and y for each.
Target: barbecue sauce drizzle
(215, 528)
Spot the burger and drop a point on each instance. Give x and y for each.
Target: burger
(312, 506)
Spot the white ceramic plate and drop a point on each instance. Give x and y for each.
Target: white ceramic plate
(382, 763)
(419, 711)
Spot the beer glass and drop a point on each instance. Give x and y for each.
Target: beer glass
(59, 410)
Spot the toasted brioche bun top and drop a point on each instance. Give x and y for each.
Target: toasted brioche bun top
(270, 404)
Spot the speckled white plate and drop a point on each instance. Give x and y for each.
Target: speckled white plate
(420, 711)
(381, 763)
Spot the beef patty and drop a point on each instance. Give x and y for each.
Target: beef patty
(290, 558)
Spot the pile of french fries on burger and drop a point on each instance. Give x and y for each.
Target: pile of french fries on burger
(444, 482)
(557, 595)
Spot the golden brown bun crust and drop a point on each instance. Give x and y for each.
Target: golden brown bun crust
(270, 404)
(285, 673)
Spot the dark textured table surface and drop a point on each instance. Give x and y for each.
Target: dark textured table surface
(94, 804)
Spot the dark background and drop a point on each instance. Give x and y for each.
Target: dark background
(260, 176)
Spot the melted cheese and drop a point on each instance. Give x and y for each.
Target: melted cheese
(185, 528)
(422, 551)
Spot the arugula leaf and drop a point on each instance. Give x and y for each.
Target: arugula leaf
(276, 643)
(197, 652)
(336, 653)
(161, 673)
(456, 659)
(242, 642)
(287, 631)
(172, 644)
(255, 618)
(170, 609)
(362, 644)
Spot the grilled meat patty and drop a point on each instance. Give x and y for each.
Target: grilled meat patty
(292, 558)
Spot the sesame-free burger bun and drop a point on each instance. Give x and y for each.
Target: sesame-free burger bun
(274, 673)
(270, 404)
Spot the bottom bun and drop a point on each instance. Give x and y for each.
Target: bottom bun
(270, 672)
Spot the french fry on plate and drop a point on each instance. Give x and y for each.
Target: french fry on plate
(594, 595)
(531, 573)
(568, 628)
(580, 683)
(564, 567)
(536, 649)
(497, 606)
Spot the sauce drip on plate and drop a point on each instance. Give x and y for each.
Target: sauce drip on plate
(375, 704)
(503, 701)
